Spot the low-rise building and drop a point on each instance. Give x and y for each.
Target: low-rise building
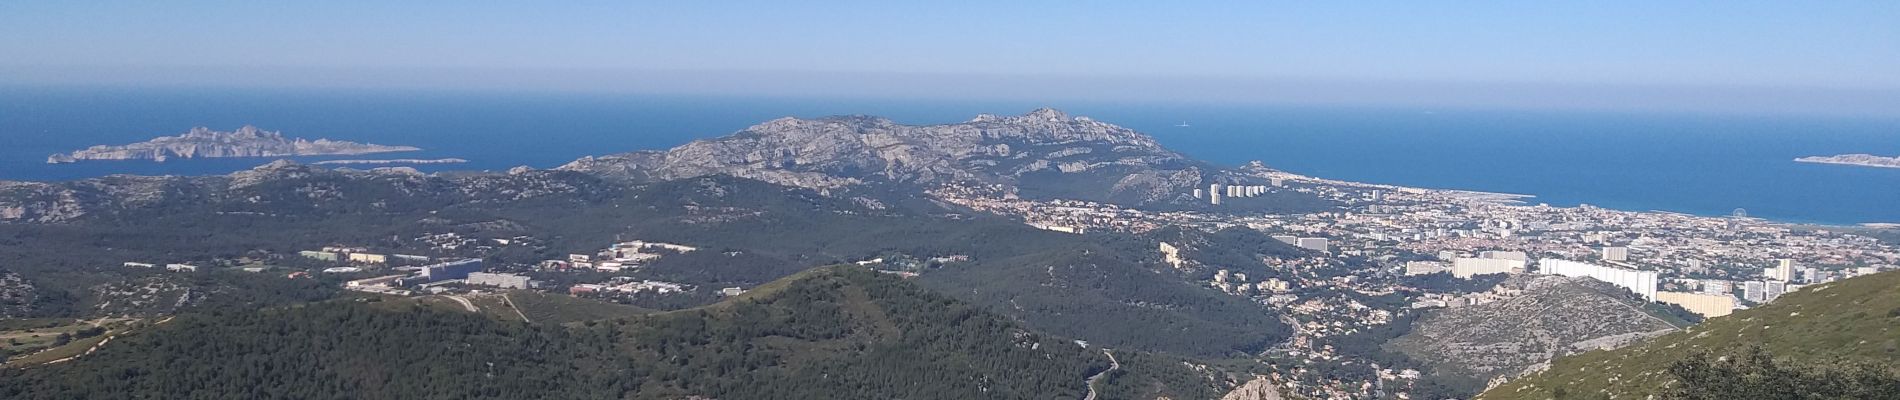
(368, 258)
(506, 281)
(319, 255)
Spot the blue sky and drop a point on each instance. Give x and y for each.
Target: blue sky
(1742, 56)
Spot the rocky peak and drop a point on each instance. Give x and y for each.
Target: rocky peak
(247, 132)
(836, 151)
(1048, 114)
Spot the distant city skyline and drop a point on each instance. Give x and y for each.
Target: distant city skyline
(1731, 57)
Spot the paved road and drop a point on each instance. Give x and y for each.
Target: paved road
(1112, 366)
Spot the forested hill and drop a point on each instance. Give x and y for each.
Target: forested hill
(830, 333)
(1838, 340)
(1090, 287)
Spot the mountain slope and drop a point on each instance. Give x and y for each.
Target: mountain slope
(1854, 320)
(1551, 317)
(762, 231)
(832, 333)
(1045, 153)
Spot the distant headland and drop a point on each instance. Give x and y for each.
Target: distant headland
(1864, 160)
(202, 142)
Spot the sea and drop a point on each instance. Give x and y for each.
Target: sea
(1706, 164)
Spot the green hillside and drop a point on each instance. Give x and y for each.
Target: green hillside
(759, 232)
(830, 333)
(1819, 328)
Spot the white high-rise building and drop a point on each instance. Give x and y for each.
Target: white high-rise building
(1783, 270)
(1424, 267)
(1772, 290)
(1507, 255)
(1467, 267)
(1315, 244)
(1754, 291)
(1641, 282)
(1616, 253)
(1199, 194)
(1715, 286)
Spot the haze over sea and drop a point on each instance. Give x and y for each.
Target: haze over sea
(1691, 163)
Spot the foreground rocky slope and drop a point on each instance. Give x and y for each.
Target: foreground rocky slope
(1043, 153)
(202, 142)
(1547, 317)
(1824, 326)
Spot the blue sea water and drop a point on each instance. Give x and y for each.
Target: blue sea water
(1701, 164)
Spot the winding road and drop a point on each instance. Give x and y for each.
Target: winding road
(1112, 366)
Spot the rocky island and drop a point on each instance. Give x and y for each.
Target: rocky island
(202, 142)
(1864, 160)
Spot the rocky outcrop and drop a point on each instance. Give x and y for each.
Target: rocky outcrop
(282, 184)
(1551, 316)
(202, 142)
(1260, 388)
(17, 295)
(1097, 160)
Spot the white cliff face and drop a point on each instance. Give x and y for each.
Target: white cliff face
(1260, 388)
(839, 151)
(202, 142)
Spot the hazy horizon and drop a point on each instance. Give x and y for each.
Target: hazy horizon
(1835, 58)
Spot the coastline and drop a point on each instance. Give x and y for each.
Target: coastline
(1520, 200)
(392, 161)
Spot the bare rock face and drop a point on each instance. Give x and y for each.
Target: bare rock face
(1260, 388)
(38, 203)
(17, 295)
(1111, 161)
(202, 142)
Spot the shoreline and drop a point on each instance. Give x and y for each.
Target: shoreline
(1517, 199)
(392, 161)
